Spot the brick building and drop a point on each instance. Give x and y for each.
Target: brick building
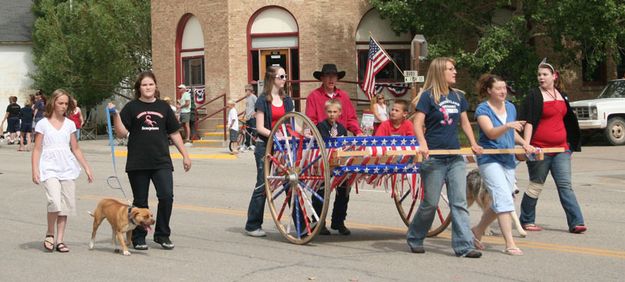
(219, 46)
(223, 45)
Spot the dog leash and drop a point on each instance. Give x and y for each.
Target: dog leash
(113, 181)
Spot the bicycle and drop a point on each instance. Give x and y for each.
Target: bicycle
(244, 131)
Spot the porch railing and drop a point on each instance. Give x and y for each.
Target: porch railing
(223, 99)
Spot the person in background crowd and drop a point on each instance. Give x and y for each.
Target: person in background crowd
(250, 120)
(233, 125)
(12, 117)
(39, 107)
(77, 117)
(185, 112)
(379, 111)
(26, 127)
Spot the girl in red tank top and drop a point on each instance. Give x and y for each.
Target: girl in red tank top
(276, 113)
(551, 131)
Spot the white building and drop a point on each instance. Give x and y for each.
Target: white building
(16, 58)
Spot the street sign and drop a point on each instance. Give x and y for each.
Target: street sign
(413, 79)
(411, 73)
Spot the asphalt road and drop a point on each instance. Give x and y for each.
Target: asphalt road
(209, 214)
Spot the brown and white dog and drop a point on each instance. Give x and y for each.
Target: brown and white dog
(477, 193)
(123, 219)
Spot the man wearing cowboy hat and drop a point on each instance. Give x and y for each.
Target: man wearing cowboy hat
(315, 103)
(315, 110)
(185, 111)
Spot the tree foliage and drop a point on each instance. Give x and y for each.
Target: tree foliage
(90, 47)
(507, 36)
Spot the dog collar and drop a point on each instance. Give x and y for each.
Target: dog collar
(130, 218)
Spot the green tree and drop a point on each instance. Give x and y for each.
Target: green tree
(507, 36)
(91, 48)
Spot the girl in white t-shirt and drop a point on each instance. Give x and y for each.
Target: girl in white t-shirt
(55, 160)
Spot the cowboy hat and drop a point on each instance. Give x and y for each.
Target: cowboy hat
(182, 86)
(328, 69)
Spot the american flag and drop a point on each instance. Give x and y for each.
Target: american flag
(375, 63)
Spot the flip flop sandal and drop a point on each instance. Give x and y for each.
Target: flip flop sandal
(48, 243)
(531, 227)
(477, 243)
(62, 248)
(579, 229)
(513, 252)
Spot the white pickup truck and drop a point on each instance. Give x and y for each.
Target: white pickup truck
(606, 112)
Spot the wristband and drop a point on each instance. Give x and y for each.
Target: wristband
(112, 110)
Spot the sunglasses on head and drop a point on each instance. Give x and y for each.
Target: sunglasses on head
(281, 76)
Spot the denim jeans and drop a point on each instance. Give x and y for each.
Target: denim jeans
(434, 172)
(251, 123)
(164, 184)
(256, 209)
(560, 168)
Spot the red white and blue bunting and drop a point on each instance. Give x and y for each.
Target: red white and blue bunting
(398, 89)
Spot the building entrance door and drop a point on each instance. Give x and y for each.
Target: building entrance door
(276, 57)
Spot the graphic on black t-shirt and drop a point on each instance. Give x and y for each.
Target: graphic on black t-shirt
(148, 123)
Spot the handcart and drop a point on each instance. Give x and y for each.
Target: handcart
(300, 167)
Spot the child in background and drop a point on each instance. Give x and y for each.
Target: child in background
(55, 160)
(330, 128)
(12, 117)
(26, 128)
(397, 124)
(233, 125)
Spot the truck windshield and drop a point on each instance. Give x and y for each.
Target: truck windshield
(614, 89)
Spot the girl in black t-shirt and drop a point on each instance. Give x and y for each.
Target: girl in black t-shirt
(148, 122)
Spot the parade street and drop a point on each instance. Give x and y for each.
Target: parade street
(209, 214)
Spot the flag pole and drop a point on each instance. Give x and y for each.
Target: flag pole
(389, 57)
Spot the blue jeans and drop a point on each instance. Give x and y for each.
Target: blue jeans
(560, 168)
(434, 172)
(256, 209)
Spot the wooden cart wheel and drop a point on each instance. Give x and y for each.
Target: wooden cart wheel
(296, 171)
(407, 201)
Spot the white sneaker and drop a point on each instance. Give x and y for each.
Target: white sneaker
(256, 233)
(252, 148)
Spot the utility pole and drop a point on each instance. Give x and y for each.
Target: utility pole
(419, 50)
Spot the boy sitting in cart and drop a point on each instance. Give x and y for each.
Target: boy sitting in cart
(397, 124)
(330, 128)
